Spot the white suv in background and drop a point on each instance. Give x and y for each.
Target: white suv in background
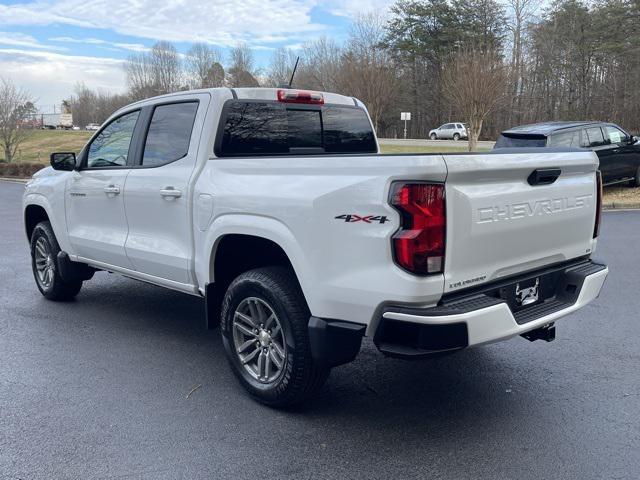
(451, 131)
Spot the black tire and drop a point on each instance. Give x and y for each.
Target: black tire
(433, 136)
(299, 377)
(636, 180)
(56, 289)
(456, 137)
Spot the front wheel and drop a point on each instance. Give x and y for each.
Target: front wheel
(44, 253)
(265, 335)
(456, 137)
(433, 136)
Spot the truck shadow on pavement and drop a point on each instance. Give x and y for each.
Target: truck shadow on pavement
(169, 327)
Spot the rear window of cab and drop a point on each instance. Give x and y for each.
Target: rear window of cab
(259, 128)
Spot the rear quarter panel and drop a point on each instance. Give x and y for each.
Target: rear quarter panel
(345, 268)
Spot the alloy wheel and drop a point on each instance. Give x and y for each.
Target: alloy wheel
(259, 340)
(45, 265)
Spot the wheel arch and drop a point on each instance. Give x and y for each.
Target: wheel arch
(235, 253)
(34, 214)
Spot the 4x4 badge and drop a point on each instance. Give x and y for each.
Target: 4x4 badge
(352, 218)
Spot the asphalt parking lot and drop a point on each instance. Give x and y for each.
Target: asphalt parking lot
(125, 383)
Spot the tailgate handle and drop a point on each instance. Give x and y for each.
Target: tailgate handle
(544, 176)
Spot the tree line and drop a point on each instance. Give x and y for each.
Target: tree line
(490, 64)
(571, 60)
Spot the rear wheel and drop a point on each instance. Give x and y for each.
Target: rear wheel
(456, 136)
(265, 335)
(44, 253)
(433, 136)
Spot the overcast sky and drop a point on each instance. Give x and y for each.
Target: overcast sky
(48, 46)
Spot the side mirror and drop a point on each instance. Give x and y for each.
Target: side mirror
(633, 139)
(63, 161)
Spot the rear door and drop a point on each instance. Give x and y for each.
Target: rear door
(594, 139)
(498, 224)
(157, 192)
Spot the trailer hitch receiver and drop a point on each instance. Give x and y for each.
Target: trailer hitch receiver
(546, 333)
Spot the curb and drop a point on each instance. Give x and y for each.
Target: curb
(621, 206)
(14, 179)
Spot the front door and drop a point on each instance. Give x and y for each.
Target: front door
(157, 192)
(624, 153)
(96, 219)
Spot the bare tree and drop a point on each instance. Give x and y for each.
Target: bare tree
(89, 106)
(521, 13)
(140, 76)
(281, 67)
(320, 65)
(167, 70)
(201, 63)
(242, 72)
(474, 81)
(154, 73)
(367, 69)
(16, 105)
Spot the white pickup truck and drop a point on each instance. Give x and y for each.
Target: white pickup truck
(276, 206)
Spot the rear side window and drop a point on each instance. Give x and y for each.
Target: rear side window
(594, 137)
(565, 139)
(515, 141)
(169, 133)
(273, 128)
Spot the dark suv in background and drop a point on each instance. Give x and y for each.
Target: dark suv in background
(619, 152)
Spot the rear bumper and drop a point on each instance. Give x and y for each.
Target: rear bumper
(484, 317)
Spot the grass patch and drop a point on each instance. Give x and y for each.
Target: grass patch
(621, 195)
(42, 143)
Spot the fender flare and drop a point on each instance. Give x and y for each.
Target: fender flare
(260, 226)
(40, 200)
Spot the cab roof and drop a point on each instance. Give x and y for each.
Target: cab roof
(255, 93)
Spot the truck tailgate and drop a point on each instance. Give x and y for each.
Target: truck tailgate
(498, 224)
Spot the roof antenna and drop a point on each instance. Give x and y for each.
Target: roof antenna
(295, 67)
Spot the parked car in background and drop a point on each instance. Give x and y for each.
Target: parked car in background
(449, 131)
(92, 126)
(617, 150)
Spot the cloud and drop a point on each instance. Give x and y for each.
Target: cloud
(134, 47)
(52, 76)
(216, 21)
(16, 39)
(353, 8)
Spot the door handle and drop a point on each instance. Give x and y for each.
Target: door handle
(112, 190)
(170, 193)
(544, 176)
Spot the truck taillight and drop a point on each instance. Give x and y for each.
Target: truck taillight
(596, 228)
(419, 244)
(300, 96)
